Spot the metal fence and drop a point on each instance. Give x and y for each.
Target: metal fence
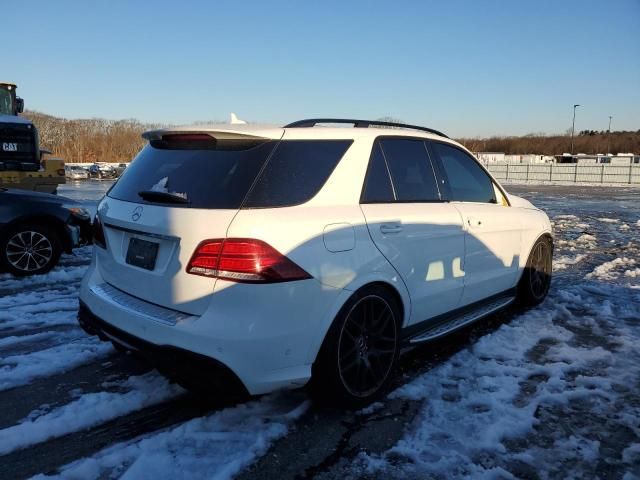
(566, 173)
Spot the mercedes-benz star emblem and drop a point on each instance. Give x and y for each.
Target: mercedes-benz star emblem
(136, 214)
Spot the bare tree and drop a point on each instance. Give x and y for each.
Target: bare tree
(98, 139)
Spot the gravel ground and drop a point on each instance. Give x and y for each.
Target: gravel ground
(553, 392)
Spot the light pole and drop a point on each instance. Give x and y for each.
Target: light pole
(608, 133)
(573, 126)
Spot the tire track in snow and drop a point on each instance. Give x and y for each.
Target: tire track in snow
(32, 311)
(26, 322)
(88, 410)
(17, 370)
(217, 445)
(57, 390)
(60, 413)
(50, 455)
(13, 345)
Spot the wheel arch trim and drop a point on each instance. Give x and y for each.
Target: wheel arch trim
(42, 219)
(330, 317)
(548, 235)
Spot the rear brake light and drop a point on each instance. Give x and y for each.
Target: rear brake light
(243, 260)
(188, 137)
(98, 233)
(188, 141)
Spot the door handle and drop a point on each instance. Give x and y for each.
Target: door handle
(387, 229)
(474, 222)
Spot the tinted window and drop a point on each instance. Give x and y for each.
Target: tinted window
(378, 184)
(295, 172)
(6, 102)
(411, 171)
(211, 178)
(467, 181)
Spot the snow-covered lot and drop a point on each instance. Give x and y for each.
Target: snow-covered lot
(553, 392)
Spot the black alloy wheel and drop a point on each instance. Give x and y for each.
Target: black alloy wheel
(540, 271)
(360, 351)
(536, 280)
(367, 346)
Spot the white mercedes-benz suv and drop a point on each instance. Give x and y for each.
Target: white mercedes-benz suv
(261, 258)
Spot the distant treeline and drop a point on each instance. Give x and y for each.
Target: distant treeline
(587, 141)
(96, 139)
(90, 140)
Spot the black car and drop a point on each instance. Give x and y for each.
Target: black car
(120, 168)
(35, 228)
(104, 171)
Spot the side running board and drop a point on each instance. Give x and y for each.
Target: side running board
(436, 329)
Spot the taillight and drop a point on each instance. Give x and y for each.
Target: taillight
(98, 233)
(188, 137)
(243, 260)
(197, 141)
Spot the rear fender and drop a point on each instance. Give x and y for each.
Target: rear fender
(387, 277)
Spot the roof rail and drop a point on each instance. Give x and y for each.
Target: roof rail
(312, 122)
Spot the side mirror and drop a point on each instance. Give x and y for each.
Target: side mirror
(19, 105)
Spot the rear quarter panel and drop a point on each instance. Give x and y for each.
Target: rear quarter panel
(299, 233)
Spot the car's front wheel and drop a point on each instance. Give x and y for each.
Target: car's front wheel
(536, 278)
(360, 351)
(29, 249)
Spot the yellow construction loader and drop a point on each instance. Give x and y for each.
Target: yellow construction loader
(22, 162)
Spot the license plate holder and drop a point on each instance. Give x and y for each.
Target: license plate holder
(142, 253)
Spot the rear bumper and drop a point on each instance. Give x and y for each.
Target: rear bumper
(169, 360)
(267, 336)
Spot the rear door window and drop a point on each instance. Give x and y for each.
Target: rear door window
(467, 181)
(411, 171)
(377, 188)
(296, 172)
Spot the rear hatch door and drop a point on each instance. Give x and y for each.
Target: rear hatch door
(177, 192)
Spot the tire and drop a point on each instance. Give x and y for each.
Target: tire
(358, 357)
(536, 278)
(120, 348)
(30, 249)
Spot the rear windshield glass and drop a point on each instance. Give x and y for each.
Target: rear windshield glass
(221, 178)
(203, 178)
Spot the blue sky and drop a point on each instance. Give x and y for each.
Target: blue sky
(471, 68)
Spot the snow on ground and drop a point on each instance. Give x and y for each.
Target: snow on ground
(554, 393)
(21, 369)
(40, 337)
(560, 263)
(535, 396)
(217, 446)
(613, 269)
(229, 439)
(87, 410)
(29, 305)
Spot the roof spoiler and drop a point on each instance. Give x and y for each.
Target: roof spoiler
(223, 132)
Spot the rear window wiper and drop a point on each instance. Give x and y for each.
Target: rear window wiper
(163, 197)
